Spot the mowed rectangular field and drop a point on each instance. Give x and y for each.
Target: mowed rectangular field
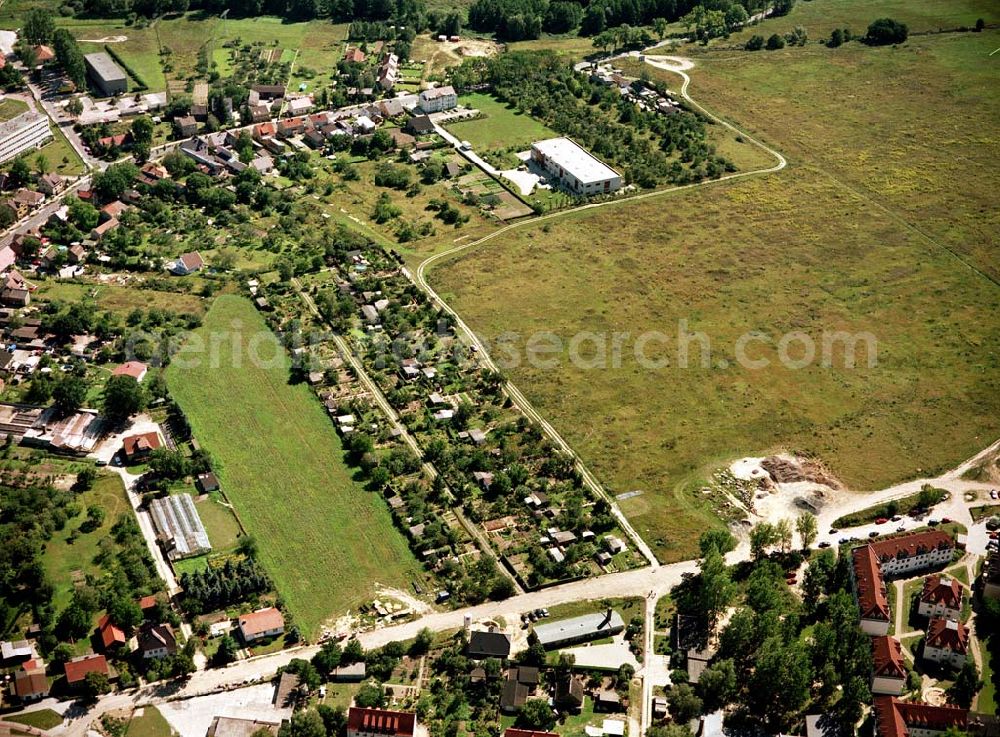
(501, 127)
(824, 246)
(324, 539)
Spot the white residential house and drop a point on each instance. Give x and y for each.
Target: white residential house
(437, 99)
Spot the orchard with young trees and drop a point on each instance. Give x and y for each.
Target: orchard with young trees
(649, 148)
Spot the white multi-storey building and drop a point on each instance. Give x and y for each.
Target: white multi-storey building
(577, 169)
(28, 131)
(437, 99)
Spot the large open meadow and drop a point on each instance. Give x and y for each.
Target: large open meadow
(881, 224)
(323, 538)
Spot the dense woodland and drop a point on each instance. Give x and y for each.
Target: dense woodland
(650, 148)
(509, 19)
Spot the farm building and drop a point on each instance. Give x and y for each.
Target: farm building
(179, 526)
(27, 131)
(106, 74)
(579, 629)
(577, 169)
(77, 433)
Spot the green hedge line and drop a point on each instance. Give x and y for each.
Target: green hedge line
(141, 85)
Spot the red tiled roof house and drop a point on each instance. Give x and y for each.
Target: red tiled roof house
(889, 670)
(30, 683)
(261, 624)
(78, 668)
(363, 722)
(111, 636)
(941, 597)
(946, 642)
(138, 447)
(895, 718)
(135, 369)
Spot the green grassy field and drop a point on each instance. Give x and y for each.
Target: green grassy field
(502, 127)
(69, 555)
(324, 539)
(150, 724)
(41, 719)
(120, 299)
(220, 523)
(819, 17)
(320, 43)
(882, 223)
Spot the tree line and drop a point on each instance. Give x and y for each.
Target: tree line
(236, 581)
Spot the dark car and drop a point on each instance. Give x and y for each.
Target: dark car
(824, 544)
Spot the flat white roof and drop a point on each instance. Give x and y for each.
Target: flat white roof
(576, 160)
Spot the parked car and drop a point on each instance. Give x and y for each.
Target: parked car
(945, 520)
(897, 518)
(873, 533)
(834, 530)
(933, 522)
(881, 521)
(824, 544)
(901, 528)
(993, 493)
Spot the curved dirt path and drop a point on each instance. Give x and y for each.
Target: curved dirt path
(678, 65)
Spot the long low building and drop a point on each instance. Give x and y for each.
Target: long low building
(179, 526)
(573, 631)
(106, 75)
(577, 169)
(25, 132)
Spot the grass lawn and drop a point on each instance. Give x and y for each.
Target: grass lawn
(987, 510)
(859, 234)
(575, 724)
(501, 128)
(69, 555)
(323, 538)
(986, 703)
(341, 694)
(11, 108)
(42, 719)
(220, 523)
(150, 724)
